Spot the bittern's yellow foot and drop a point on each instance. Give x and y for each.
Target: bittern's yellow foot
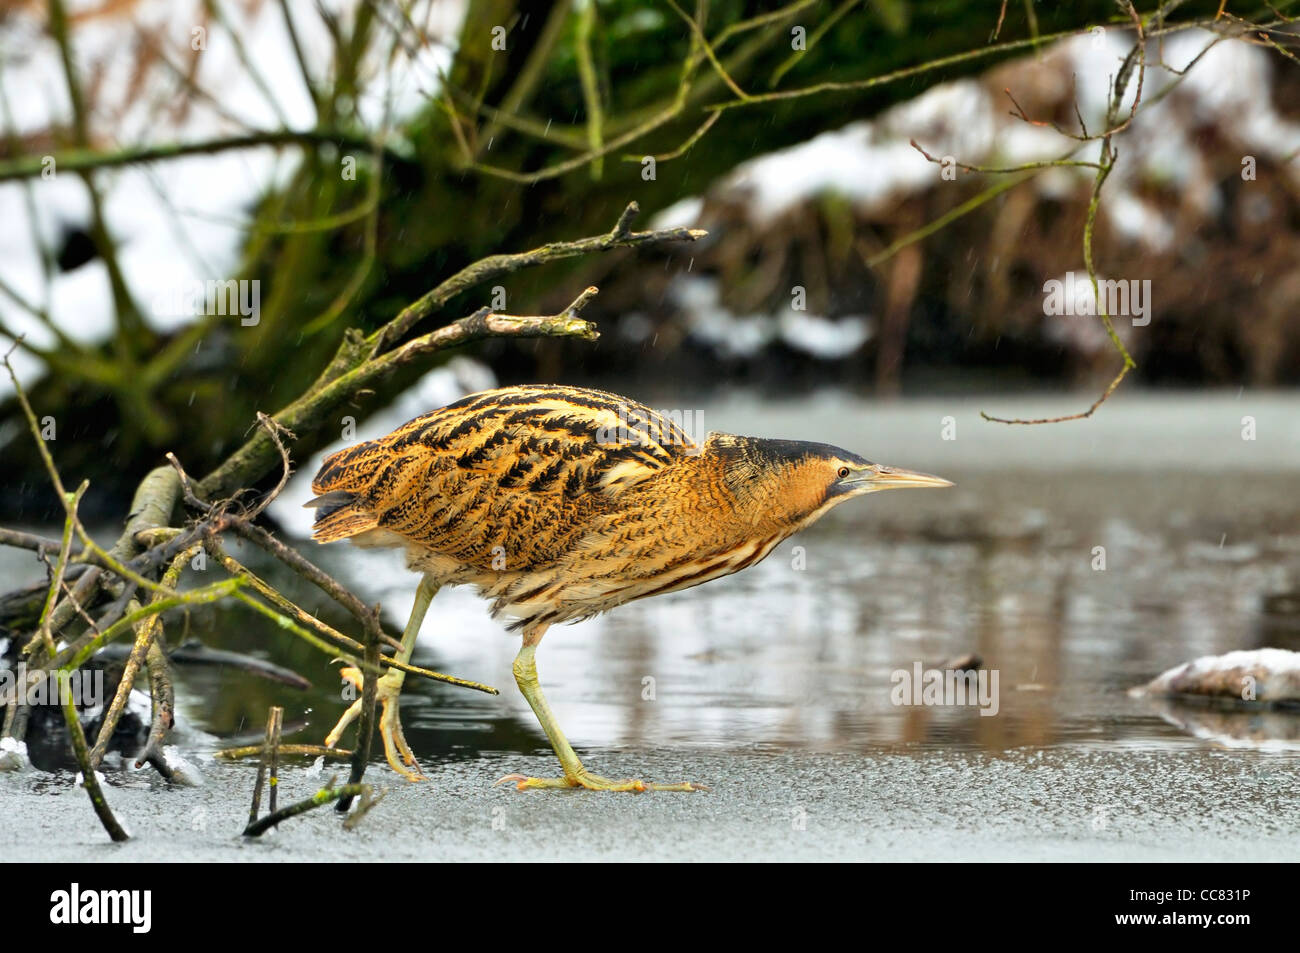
(387, 691)
(593, 782)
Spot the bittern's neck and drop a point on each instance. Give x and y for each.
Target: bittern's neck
(771, 480)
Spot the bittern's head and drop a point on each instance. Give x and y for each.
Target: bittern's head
(806, 479)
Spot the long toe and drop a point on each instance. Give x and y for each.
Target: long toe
(593, 782)
(404, 749)
(341, 726)
(691, 786)
(396, 750)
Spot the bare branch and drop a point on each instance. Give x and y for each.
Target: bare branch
(85, 160)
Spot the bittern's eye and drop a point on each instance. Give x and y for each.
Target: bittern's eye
(843, 472)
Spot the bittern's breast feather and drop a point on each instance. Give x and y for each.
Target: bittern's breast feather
(513, 474)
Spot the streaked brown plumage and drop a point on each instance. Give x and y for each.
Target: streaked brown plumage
(559, 503)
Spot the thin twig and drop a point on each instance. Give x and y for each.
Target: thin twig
(321, 797)
(56, 582)
(365, 722)
(707, 48)
(308, 570)
(263, 767)
(279, 600)
(498, 266)
(685, 147)
(274, 727)
(1105, 163)
(965, 208)
(273, 430)
(80, 652)
(84, 160)
(90, 778)
(146, 632)
(186, 486)
(822, 29)
(1064, 161)
(311, 751)
(1002, 15)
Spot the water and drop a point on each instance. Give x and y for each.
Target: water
(774, 685)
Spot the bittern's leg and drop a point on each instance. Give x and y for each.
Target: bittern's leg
(575, 775)
(388, 688)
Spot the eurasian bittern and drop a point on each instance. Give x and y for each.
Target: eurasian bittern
(559, 503)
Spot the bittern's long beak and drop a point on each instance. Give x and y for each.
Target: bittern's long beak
(893, 478)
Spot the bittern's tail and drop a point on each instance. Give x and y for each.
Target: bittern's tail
(340, 509)
(338, 516)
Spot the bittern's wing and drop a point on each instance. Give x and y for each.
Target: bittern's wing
(514, 472)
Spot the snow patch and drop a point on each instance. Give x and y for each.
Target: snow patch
(1257, 675)
(822, 337)
(183, 772)
(13, 754)
(683, 214)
